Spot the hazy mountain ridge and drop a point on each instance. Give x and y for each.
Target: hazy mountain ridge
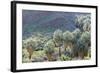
(47, 21)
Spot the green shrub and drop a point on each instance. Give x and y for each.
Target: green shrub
(65, 58)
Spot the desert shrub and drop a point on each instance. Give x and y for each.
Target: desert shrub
(39, 56)
(25, 56)
(65, 58)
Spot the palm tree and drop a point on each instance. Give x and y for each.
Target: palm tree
(83, 22)
(76, 35)
(31, 46)
(58, 39)
(49, 49)
(68, 38)
(84, 44)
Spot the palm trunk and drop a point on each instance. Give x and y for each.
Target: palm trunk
(81, 55)
(30, 51)
(49, 57)
(59, 52)
(30, 56)
(65, 46)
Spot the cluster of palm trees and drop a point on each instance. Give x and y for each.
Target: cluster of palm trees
(65, 45)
